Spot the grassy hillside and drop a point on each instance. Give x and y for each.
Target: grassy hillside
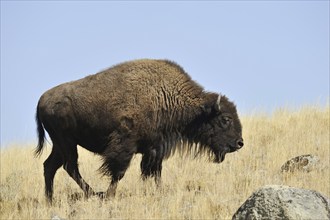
(192, 189)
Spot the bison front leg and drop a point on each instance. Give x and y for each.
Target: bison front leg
(116, 161)
(151, 166)
(147, 164)
(157, 172)
(118, 169)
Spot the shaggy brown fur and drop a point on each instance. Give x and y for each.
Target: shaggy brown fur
(142, 106)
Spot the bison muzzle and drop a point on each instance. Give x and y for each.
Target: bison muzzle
(146, 106)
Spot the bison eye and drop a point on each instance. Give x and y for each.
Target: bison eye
(226, 121)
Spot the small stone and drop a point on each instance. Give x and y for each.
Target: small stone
(305, 163)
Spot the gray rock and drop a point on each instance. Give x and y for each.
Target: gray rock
(56, 217)
(284, 202)
(305, 163)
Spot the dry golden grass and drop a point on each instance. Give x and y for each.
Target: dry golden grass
(192, 189)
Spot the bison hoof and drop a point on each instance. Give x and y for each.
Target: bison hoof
(79, 196)
(101, 195)
(76, 196)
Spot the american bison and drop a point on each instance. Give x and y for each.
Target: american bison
(144, 106)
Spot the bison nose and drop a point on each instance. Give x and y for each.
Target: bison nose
(240, 143)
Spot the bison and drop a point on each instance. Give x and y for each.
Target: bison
(143, 106)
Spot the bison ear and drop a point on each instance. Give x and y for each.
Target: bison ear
(206, 109)
(212, 104)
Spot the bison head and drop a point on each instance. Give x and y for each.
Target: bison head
(220, 130)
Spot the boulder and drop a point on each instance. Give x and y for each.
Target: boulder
(284, 202)
(305, 163)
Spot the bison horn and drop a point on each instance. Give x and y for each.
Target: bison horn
(218, 107)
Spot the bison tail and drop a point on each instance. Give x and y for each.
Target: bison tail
(41, 134)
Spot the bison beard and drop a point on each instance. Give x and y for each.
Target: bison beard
(150, 107)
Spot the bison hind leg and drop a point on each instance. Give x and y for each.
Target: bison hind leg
(51, 165)
(71, 167)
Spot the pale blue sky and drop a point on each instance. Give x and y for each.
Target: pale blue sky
(261, 54)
